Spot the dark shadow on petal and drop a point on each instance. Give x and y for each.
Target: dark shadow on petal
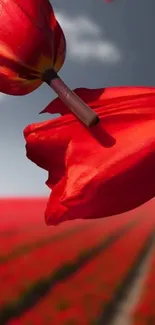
(102, 136)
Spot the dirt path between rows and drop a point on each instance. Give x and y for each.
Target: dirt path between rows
(124, 312)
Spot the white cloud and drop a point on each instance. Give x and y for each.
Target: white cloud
(85, 40)
(79, 26)
(103, 51)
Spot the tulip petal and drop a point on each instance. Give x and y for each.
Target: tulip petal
(103, 171)
(98, 97)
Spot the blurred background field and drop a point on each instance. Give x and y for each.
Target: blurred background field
(81, 272)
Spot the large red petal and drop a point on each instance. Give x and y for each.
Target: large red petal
(102, 171)
(98, 97)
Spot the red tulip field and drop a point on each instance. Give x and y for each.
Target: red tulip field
(80, 272)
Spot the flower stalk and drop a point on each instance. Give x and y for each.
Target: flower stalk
(81, 110)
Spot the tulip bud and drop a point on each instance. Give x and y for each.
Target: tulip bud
(32, 50)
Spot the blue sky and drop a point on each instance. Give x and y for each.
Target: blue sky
(108, 45)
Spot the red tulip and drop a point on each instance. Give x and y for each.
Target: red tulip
(32, 50)
(103, 171)
(31, 41)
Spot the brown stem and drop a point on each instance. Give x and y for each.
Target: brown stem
(81, 110)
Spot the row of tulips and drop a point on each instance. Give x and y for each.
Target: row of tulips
(21, 238)
(84, 296)
(30, 231)
(24, 242)
(21, 272)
